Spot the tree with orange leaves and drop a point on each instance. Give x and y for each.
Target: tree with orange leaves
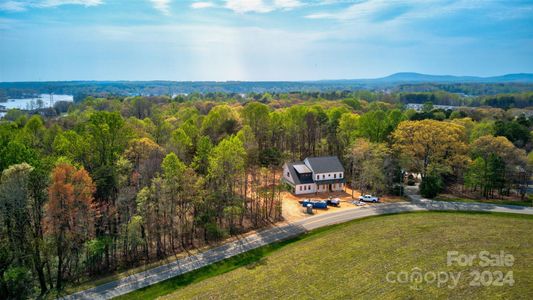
(69, 215)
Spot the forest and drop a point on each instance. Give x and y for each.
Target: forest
(117, 182)
(384, 89)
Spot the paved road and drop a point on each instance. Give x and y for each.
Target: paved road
(181, 266)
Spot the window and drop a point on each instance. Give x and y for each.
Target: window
(323, 176)
(340, 175)
(305, 187)
(334, 175)
(317, 177)
(329, 175)
(288, 174)
(300, 188)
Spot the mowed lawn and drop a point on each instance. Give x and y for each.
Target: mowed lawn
(352, 260)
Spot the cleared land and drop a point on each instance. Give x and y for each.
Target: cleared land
(293, 210)
(353, 259)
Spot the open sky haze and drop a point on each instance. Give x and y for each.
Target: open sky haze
(45, 40)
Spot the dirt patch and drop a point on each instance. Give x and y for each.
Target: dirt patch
(293, 210)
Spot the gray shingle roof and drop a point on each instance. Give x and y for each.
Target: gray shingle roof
(325, 164)
(299, 178)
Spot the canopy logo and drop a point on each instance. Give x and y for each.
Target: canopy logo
(416, 277)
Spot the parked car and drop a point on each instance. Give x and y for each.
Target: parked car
(315, 203)
(369, 198)
(334, 202)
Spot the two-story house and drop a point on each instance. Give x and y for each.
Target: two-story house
(315, 175)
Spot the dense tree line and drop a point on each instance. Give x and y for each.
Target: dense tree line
(471, 89)
(118, 182)
(81, 89)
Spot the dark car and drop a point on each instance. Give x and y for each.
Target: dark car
(334, 202)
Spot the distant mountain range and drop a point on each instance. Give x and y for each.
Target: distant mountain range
(402, 77)
(410, 77)
(403, 82)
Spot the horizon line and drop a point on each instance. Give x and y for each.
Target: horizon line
(267, 81)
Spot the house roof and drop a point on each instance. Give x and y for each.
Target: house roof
(296, 177)
(325, 164)
(301, 168)
(330, 181)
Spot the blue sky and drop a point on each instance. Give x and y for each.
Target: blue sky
(261, 39)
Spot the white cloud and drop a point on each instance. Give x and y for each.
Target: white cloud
(245, 6)
(162, 5)
(12, 6)
(86, 3)
(356, 11)
(22, 5)
(261, 6)
(202, 4)
(420, 9)
(287, 4)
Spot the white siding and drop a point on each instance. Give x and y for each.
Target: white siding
(308, 188)
(328, 176)
(286, 173)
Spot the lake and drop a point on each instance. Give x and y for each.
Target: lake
(42, 101)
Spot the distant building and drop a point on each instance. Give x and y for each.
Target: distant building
(315, 175)
(418, 107)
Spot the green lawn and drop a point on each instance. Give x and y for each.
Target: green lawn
(526, 202)
(352, 260)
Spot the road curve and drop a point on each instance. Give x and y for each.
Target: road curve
(275, 234)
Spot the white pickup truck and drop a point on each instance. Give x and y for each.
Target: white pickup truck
(368, 198)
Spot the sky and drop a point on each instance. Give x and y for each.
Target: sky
(261, 40)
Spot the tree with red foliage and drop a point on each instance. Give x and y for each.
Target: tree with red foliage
(69, 215)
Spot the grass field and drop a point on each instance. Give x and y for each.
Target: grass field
(353, 259)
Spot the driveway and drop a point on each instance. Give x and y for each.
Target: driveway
(275, 234)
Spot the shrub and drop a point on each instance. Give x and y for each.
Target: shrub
(431, 186)
(397, 190)
(214, 232)
(18, 282)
